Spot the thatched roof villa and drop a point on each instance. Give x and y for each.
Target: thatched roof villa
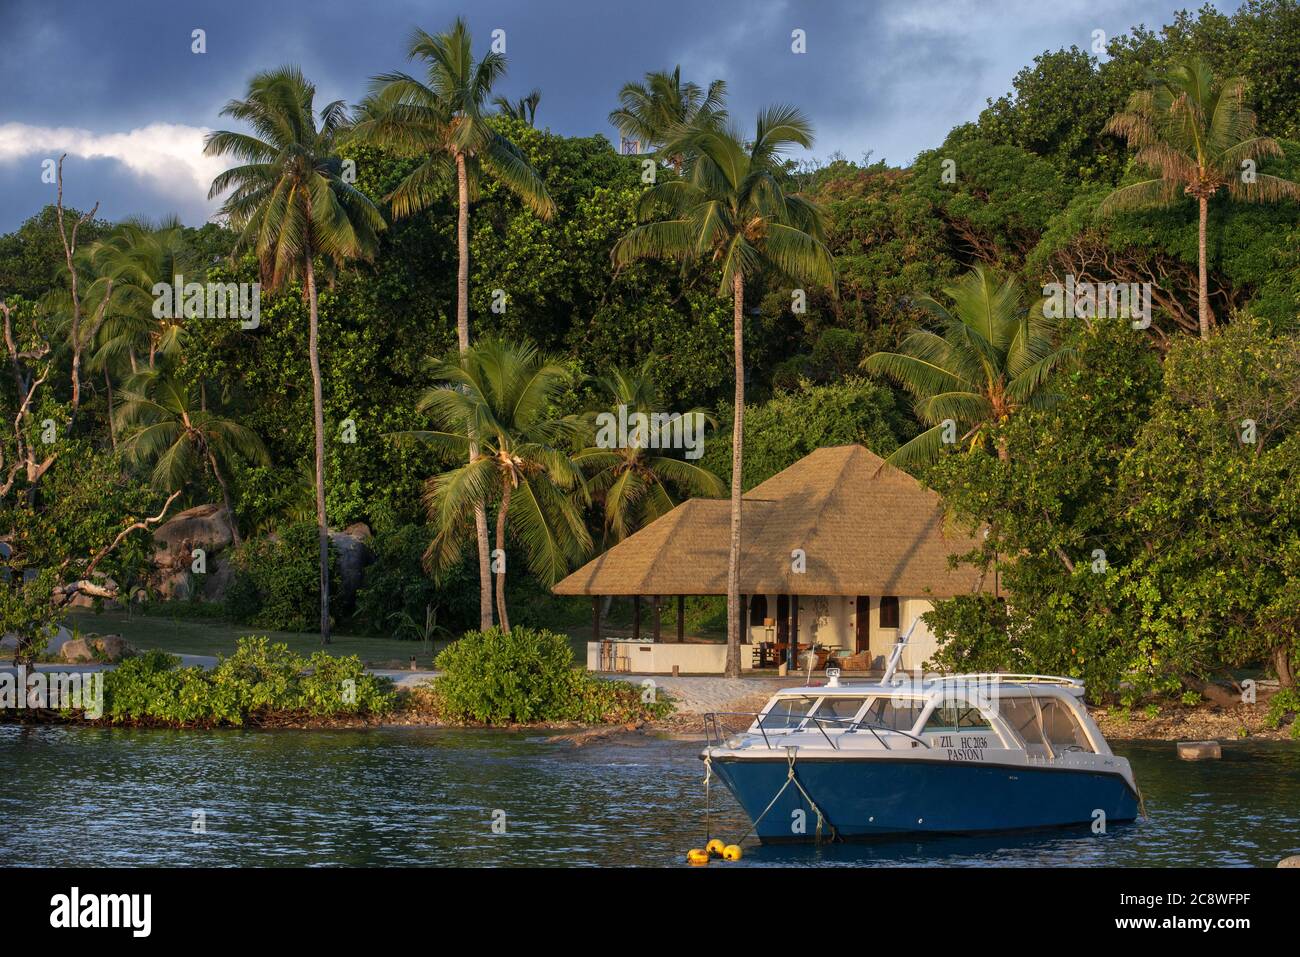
(839, 549)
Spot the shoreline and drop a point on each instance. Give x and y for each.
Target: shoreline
(1176, 723)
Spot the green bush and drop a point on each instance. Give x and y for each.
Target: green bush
(529, 676)
(397, 590)
(1285, 702)
(261, 682)
(277, 581)
(973, 635)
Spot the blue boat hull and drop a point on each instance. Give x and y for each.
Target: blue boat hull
(883, 797)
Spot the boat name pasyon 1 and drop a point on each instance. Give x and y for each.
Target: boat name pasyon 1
(970, 748)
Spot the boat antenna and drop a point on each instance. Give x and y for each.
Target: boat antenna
(897, 655)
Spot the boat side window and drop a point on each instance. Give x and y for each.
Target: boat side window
(1062, 727)
(785, 713)
(897, 713)
(836, 710)
(1057, 726)
(955, 715)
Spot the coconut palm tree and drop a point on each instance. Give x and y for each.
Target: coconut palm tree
(291, 204)
(523, 109)
(161, 423)
(443, 121)
(499, 394)
(732, 209)
(990, 358)
(1198, 136)
(654, 110)
(137, 256)
(640, 481)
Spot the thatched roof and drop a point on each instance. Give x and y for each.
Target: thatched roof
(866, 529)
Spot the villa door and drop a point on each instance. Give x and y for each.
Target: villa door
(782, 618)
(862, 634)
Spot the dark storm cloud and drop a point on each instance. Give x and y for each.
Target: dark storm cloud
(890, 76)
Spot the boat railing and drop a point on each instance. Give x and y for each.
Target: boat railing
(1013, 678)
(714, 734)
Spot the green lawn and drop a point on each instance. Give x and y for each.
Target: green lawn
(202, 636)
(208, 636)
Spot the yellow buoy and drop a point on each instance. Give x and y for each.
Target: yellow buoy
(714, 848)
(697, 857)
(731, 852)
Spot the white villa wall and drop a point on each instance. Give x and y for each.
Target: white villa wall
(835, 627)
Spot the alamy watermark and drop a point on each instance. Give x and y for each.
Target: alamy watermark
(215, 300)
(53, 691)
(658, 430)
(1073, 299)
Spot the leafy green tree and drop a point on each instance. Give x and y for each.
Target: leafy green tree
(443, 122)
(1210, 486)
(1057, 544)
(656, 110)
(1198, 136)
(163, 424)
(732, 209)
(990, 358)
(798, 421)
(638, 482)
(996, 203)
(502, 393)
(291, 203)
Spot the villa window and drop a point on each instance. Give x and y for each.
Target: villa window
(757, 609)
(889, 611)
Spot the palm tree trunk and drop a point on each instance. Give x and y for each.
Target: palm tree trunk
(225, 496)
(737, 445)
(501, 553)
(76, 375)
(1204, 304)
(462, 336)
(318, 414)
(108, 384)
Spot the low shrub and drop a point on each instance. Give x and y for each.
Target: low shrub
(528, 675)
(277, 581)
(397, 592)
(260, 683)
(1286, 702)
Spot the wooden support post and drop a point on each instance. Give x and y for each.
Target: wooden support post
(681, 618)
(742, 626)
(636, 617)
(595, 618)
(655, 599)
(792, 632)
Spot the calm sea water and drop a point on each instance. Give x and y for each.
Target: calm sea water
(84, 796)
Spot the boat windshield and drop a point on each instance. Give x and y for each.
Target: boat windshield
(785, 712)
(838, 711)
(897, 713)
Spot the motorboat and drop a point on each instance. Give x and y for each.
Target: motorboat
(957, 754)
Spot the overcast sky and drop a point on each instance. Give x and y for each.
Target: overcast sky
(115, 85)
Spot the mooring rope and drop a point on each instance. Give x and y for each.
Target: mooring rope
(790, 777)
(708, 777)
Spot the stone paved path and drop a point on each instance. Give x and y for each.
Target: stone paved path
(702, 694)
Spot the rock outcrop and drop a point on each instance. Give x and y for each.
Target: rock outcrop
(203, 526)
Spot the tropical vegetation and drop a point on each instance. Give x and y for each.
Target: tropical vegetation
(1137, 480)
